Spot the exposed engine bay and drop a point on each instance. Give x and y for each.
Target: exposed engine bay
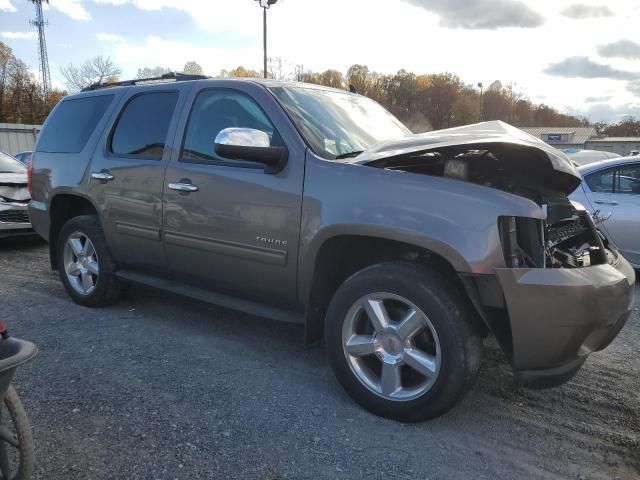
(567, 238)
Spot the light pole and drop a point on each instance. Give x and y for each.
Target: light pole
(481, 102)
(265, 4)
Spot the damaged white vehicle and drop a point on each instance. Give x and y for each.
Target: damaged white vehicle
(14, 198)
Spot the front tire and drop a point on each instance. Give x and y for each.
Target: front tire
(401, 341)
(85, 264)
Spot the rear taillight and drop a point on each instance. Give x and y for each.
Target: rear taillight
(29, 175)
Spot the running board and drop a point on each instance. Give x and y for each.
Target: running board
(223, 300)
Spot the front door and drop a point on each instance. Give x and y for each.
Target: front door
(615, 192)
(127, 178)
(237, 229)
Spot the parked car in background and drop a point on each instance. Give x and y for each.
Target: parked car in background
(612, 188)
(14, 198)
(24, 157)
(584, 157)
(305, 203)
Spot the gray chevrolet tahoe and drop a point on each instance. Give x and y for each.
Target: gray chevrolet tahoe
(308, 204)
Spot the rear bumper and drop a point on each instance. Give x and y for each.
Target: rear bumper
(559, 316)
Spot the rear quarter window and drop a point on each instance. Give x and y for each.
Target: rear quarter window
(72, 123)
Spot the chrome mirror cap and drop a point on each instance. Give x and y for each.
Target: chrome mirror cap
(243, 137)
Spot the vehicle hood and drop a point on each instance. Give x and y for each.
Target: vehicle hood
(13, 187)
(552, 165)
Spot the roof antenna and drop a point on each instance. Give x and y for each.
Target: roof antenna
(352, 89)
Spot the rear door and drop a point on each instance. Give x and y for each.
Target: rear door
(127, 175)
(615, 192)
(238, 232)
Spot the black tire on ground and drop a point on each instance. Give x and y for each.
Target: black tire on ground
(451, 317)
(21, 460)
(108, 288)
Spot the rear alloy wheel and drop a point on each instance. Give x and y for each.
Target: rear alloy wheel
(402, 341)
(85, 264)
(81, 263)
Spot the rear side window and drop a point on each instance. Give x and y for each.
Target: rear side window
(72, 124)
(142, 128)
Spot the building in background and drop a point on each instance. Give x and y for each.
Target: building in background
(563, 137)
(16, 138)
(624, 146)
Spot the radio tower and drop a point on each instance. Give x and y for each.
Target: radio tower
(40, 23)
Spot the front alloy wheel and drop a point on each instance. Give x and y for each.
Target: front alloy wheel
(402, 340)
(391, 346)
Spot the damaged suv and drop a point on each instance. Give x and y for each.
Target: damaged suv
(314, 205)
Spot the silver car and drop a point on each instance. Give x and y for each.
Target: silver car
(612, 188)
(14, 198)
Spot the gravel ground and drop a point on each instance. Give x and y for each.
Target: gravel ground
(160, 387)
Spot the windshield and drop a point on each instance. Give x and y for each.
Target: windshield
(336, 124)
(8, 164)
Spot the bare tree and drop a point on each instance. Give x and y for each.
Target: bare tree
(151, 72)
(192, 68)
(97, 70)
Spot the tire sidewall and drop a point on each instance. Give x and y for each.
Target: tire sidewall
(87, 225)
(434, 296)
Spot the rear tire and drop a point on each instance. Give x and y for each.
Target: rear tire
(85, 264)
(385, 354)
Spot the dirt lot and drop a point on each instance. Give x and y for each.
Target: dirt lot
(159, 387)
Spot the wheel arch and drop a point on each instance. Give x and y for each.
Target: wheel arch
(340, 256)
(62, 208)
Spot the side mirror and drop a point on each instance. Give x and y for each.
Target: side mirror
(250, 145)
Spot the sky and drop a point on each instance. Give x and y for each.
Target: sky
(581, 57)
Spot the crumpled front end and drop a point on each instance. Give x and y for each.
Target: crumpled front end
(14, 200)
(548, 284)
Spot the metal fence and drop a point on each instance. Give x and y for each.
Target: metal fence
(16, 138)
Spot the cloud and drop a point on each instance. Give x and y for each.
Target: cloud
(604, 98)
(622, 48)
(482, 14)
(634, 87)
(19, 35)
(73, 8)
(6, 6)
(581, 11)
(583, 67)
(109, 37)
(605, 112)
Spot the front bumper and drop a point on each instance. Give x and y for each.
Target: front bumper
(14, 220)
(559, 316)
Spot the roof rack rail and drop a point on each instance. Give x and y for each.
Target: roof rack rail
(167, 77)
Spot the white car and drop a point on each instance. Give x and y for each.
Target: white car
(612, 189)
(584, 157)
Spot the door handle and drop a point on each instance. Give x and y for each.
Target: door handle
(605, 202)
(183, 187)
(104, 177)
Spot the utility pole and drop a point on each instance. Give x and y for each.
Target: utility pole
(480, 85)
(39, 22)
(265, 5)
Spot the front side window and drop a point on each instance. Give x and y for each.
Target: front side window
(623, 179)
(629, 180)
(72, 123)
(338, 124)
(212, 112)
(141, 130)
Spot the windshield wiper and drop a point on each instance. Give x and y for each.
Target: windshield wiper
(355, 153)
